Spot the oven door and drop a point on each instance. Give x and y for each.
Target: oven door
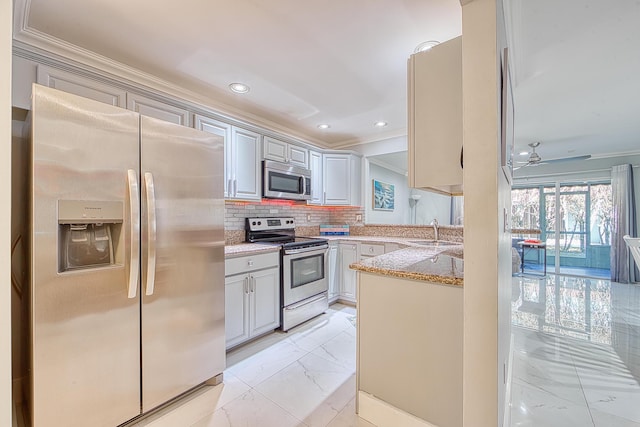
(304, 273)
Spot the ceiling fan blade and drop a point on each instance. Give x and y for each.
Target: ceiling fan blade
(565, 159)
(524, 165)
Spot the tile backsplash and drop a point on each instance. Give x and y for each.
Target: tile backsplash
(307, 218)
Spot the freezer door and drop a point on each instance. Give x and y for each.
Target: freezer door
(183, 341)
(85, 335)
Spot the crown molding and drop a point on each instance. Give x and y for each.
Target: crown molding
(386, 165)
(379, 137)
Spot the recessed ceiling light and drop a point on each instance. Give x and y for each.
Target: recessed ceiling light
(239, 87)
(426, 46)
(380, 124)
(323, 126)
(524, 153)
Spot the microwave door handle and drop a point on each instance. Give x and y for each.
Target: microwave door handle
(303, 181)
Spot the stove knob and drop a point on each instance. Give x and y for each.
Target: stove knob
(259, 222)
(253, 223)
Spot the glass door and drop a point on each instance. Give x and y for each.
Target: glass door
(575, 224)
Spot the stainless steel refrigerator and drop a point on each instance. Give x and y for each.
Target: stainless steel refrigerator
(127, 261)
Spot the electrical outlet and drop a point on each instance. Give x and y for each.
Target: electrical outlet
(308, 217)
(358, 217)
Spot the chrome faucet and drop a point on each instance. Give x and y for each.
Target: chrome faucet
(435, 228)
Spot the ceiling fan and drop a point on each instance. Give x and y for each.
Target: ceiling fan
(535, 159)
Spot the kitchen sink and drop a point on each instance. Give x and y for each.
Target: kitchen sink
(435, 243)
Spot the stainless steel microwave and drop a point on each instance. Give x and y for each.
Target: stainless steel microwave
(283, 181)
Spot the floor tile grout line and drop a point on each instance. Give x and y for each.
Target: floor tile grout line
(276, 403)
(584, 395)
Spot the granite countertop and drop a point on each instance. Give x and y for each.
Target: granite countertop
(431, 264)
(413, 261)
(243, 249)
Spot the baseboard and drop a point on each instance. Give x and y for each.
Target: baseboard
(346, 302)
(382, 414)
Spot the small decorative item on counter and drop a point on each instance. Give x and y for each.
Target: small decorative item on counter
(334, 230)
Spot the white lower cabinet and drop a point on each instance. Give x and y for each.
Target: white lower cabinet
(264, 301)
(334, 272)
(252, 298)
(342, 280)
(236, 309)
(348, 255)
(369, 250)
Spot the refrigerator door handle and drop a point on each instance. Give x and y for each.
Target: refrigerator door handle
(134, 222)
(151, 232)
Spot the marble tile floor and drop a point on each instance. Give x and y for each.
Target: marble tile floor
(576, 355)
(305, 377)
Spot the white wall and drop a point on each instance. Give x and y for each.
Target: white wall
(5, 212)
(432, 206)
(487, 257)
(400, 214)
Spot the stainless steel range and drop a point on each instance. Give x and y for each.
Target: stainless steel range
(303, 272)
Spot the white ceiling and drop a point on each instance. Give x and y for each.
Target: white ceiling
(577, 76)
(307, 62)
(576, 63)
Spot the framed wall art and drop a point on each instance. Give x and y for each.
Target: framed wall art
(383, 196)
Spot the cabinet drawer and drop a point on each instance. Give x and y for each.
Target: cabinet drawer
(250, 263)
(370, 249)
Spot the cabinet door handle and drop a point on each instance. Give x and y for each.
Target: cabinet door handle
(253, 284)
(235, 187)
(229, 188)
(245, 285)
(324, 197)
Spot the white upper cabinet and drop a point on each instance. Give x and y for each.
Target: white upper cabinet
(245, 164)
(81, 86)
(156, 109)
(317, 192)
(341, 179)
(224, 130)
(242, 168)
(435, 118)
(284, 152)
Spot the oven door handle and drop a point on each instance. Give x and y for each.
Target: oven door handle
(304, 250)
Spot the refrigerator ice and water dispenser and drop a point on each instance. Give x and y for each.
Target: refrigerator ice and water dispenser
(89, 234)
